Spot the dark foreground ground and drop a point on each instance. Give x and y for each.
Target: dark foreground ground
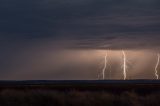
(80, 93)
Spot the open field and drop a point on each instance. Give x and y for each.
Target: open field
(80, 93)
(116, 86)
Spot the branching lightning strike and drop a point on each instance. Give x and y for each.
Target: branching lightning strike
(124, 65)
(156, 67)
(102, 73)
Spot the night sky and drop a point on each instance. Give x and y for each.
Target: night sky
(68, 39)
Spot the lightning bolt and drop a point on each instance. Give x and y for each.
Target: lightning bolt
(124, 65)
(102, 73)
(156, 67)
(105, 65)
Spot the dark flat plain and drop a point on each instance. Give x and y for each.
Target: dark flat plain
(114, 86)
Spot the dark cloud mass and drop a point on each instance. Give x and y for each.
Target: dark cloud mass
(31, 27)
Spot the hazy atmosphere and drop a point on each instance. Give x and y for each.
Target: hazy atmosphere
(71, 39)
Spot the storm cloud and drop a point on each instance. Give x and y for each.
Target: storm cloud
(86, 20)
(47, 27)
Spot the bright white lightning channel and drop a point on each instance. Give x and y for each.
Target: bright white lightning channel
(102, 73)
(105, 65)
(156, 67)
(124, 65)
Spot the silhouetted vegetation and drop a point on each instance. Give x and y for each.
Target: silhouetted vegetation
(9, 97)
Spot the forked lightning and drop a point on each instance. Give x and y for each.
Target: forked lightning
(156, 67)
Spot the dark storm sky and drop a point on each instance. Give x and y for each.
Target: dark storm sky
(35, 26)
(78, 18)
